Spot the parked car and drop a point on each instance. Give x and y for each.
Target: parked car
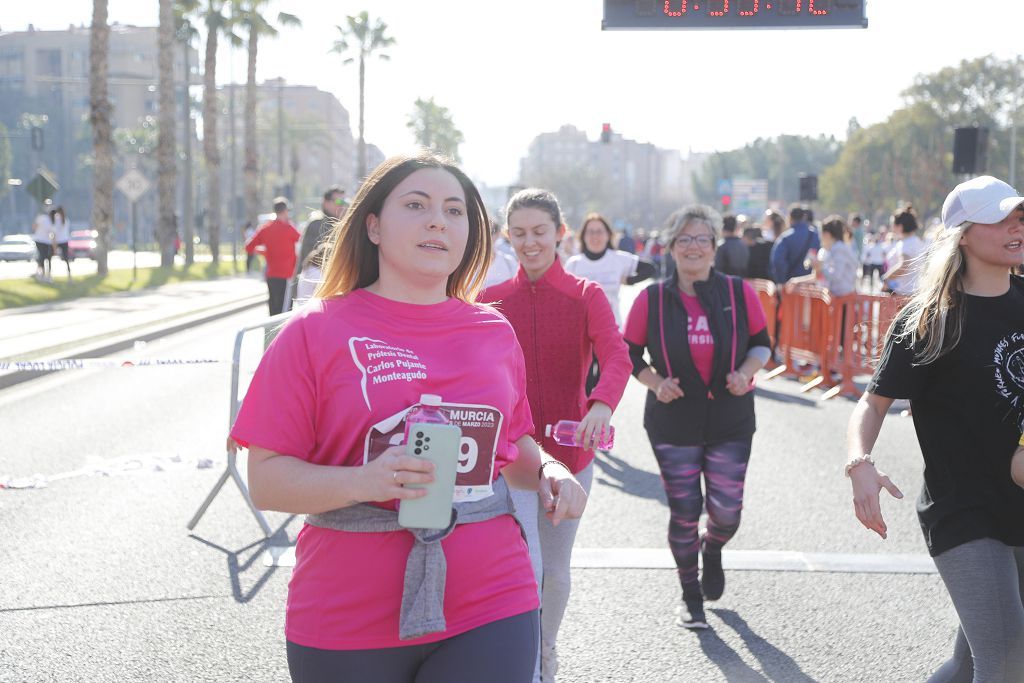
(17, 248)
(82, 244)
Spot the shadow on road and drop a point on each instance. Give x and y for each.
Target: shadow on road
(619, 474)
(241, 560)
(761, 392)
(776, 665)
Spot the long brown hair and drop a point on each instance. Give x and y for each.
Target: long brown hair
(352, 260)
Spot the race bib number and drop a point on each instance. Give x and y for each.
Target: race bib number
(480, 426)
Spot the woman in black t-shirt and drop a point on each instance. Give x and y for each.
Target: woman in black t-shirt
(957, 352)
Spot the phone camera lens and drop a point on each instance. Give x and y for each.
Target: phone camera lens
(419, 435)
(427, 439)
(417, 451)
(426, 448)
(418, 442)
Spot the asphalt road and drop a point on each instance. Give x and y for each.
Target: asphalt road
(101, 581)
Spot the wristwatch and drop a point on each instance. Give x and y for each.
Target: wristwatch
(853, 462)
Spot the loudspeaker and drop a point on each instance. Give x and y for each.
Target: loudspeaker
(970, 149)
(808, 188)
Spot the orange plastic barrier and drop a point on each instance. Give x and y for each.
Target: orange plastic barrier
(867, 321)
(769, 301)
(805, 332)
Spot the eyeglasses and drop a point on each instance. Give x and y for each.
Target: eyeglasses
(703, 241)
(340, 201)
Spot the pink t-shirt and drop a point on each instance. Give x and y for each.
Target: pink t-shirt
(332, 390)
(698, 332)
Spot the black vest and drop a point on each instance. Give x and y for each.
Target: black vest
(707, 413)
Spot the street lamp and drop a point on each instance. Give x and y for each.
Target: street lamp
(11, 184)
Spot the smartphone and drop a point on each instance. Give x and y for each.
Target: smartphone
(440, 444)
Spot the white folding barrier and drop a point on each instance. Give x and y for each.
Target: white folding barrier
(269, 327)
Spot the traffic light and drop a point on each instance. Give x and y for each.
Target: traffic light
(726, 201)
(606, 133)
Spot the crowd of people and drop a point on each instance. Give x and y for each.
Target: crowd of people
(508, 319)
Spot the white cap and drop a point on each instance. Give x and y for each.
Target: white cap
(430, 399)
(983, 200)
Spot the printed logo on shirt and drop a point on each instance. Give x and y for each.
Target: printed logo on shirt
(698, 331)
(381, 362)
(1009, 364)
(481, 427)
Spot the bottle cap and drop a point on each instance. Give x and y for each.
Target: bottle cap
(547, 430)
(430, 399)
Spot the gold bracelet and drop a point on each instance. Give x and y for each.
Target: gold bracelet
(540, 470)
(853, 462)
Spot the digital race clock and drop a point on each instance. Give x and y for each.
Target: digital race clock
(733, 14)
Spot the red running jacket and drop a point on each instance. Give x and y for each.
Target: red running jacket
(561, 321)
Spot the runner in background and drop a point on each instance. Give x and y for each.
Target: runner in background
(503, 265)
(561, 322)
(276, 241)
(901, 277)
(369, 600)
(953, 351)
(42, 235)
(609, 267)
(705, 335)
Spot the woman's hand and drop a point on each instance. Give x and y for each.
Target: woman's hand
(561, 495)
(595, 424)
(1017, 467)
(867, 483)
(385, 477)
(737, 382)
(667, 390)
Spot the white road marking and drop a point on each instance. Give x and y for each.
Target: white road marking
(741, 560)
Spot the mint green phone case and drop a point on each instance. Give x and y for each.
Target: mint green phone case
(440, 444)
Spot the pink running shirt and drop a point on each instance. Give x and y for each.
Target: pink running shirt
(337, 372)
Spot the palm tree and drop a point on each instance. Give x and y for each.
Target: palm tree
(167, 175)
(217, 22)
(364, 39)
(250, 16)
(102, 136)
(184, 13)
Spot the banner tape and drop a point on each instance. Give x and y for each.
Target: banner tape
(86, 363)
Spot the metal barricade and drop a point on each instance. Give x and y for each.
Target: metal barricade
(805, 331)
(270, 327)
(766, 294)
(868, 318)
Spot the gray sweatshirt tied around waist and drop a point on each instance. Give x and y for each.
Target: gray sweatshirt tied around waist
(426, 568)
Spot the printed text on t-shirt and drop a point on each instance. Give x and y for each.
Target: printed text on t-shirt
(381, 362)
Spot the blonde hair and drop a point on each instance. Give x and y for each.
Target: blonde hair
(352, 260)
(934, 316)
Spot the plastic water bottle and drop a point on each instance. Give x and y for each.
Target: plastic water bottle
(564, 434)
(428, 411)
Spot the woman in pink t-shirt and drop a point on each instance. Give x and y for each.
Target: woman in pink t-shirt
(706, 336)
(368, 600)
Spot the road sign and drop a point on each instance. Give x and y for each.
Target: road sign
(132, 185)
(750, 196)
(724, 186)
(42, 187)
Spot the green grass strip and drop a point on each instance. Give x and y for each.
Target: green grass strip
(18, 292)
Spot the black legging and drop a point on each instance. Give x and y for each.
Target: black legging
(500, 652)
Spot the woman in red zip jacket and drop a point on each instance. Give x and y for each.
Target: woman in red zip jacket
(560, 321)
(706, 336)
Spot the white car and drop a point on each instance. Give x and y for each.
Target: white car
(17, 248)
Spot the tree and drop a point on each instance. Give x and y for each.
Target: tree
(167, 169)
(217, 22)
(977, 92)
(779, 160)
(251, 18)
(102, 142)
(580, 188)
(5, 161)
(359, 36)
(434, 129)
(184, 13)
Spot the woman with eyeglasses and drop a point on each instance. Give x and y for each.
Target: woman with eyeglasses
(705, 336)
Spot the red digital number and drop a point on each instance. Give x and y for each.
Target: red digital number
(819, 7)
(787, 7)
(723, 8)
(674, 13)
(748, 8)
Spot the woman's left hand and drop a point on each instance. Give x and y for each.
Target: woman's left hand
(596, 422)
(562, 496)
(737, 382)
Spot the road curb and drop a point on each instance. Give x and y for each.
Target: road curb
(126, 339)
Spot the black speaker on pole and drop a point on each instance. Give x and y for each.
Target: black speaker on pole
(970, 149)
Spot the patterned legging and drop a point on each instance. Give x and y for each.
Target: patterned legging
(724, 466)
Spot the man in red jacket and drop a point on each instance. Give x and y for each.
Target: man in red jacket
(277, 239)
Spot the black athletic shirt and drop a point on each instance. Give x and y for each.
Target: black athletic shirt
(968, 409)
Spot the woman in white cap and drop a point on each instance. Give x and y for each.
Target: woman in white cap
(957, 352)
